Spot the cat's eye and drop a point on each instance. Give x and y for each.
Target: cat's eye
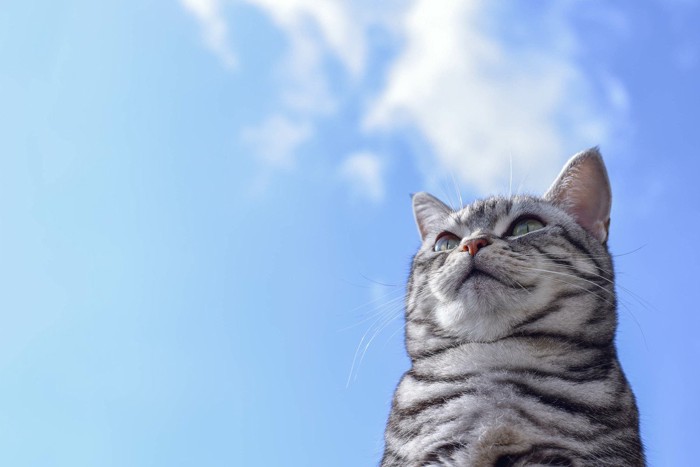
(446, 241)
(526, 225)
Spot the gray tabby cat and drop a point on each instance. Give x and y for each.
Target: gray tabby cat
(510, 323)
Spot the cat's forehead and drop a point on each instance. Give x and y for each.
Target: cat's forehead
(485, 213)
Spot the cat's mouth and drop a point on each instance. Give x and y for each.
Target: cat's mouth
(478, 275)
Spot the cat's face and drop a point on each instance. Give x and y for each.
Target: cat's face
(484, 270)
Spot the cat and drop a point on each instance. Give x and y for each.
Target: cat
(510, 326)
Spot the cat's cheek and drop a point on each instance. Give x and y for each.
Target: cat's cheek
(438, 289)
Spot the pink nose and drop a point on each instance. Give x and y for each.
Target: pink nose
(474, 245)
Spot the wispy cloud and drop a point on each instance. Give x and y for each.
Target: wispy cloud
(329, 23)
(276, 140)
(316, 30)
(363, 171)
(214, 28)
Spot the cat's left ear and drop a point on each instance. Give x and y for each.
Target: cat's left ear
(583, 190)
(428, 212)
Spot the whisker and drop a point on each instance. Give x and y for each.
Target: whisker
(638, 298)
(378, 330)
(510, 179)
(374, 281)
(624, 305)
(355, 361)
(377, 311)
(523, 179)
(446, 193)
(573, 284)
(459, 193)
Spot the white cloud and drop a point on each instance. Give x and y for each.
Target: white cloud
(214, 28)
(276, 140)
(364, 172)
(480, 100)
(330, 22)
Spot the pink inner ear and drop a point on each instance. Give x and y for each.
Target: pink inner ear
(583, 190)
(590, 212)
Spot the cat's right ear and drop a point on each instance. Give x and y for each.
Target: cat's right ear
(583, 190)
(428, 212)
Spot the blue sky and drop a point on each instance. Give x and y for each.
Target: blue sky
(204, 210)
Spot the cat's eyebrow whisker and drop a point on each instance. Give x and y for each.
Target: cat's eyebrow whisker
(523, 179)
(459, 192)
(446, 192)
(510, 179)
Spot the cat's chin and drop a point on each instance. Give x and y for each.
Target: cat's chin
(473, 321)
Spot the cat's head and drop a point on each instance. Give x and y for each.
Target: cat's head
(501, 265)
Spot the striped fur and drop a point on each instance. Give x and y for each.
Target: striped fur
(513, 359)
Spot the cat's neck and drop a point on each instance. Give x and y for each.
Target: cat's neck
(526, 350)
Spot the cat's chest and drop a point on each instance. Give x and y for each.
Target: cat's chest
(493, 413)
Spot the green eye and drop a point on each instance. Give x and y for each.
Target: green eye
(526, 226)
(446, 241)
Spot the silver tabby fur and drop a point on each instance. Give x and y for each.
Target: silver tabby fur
(512, 349)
